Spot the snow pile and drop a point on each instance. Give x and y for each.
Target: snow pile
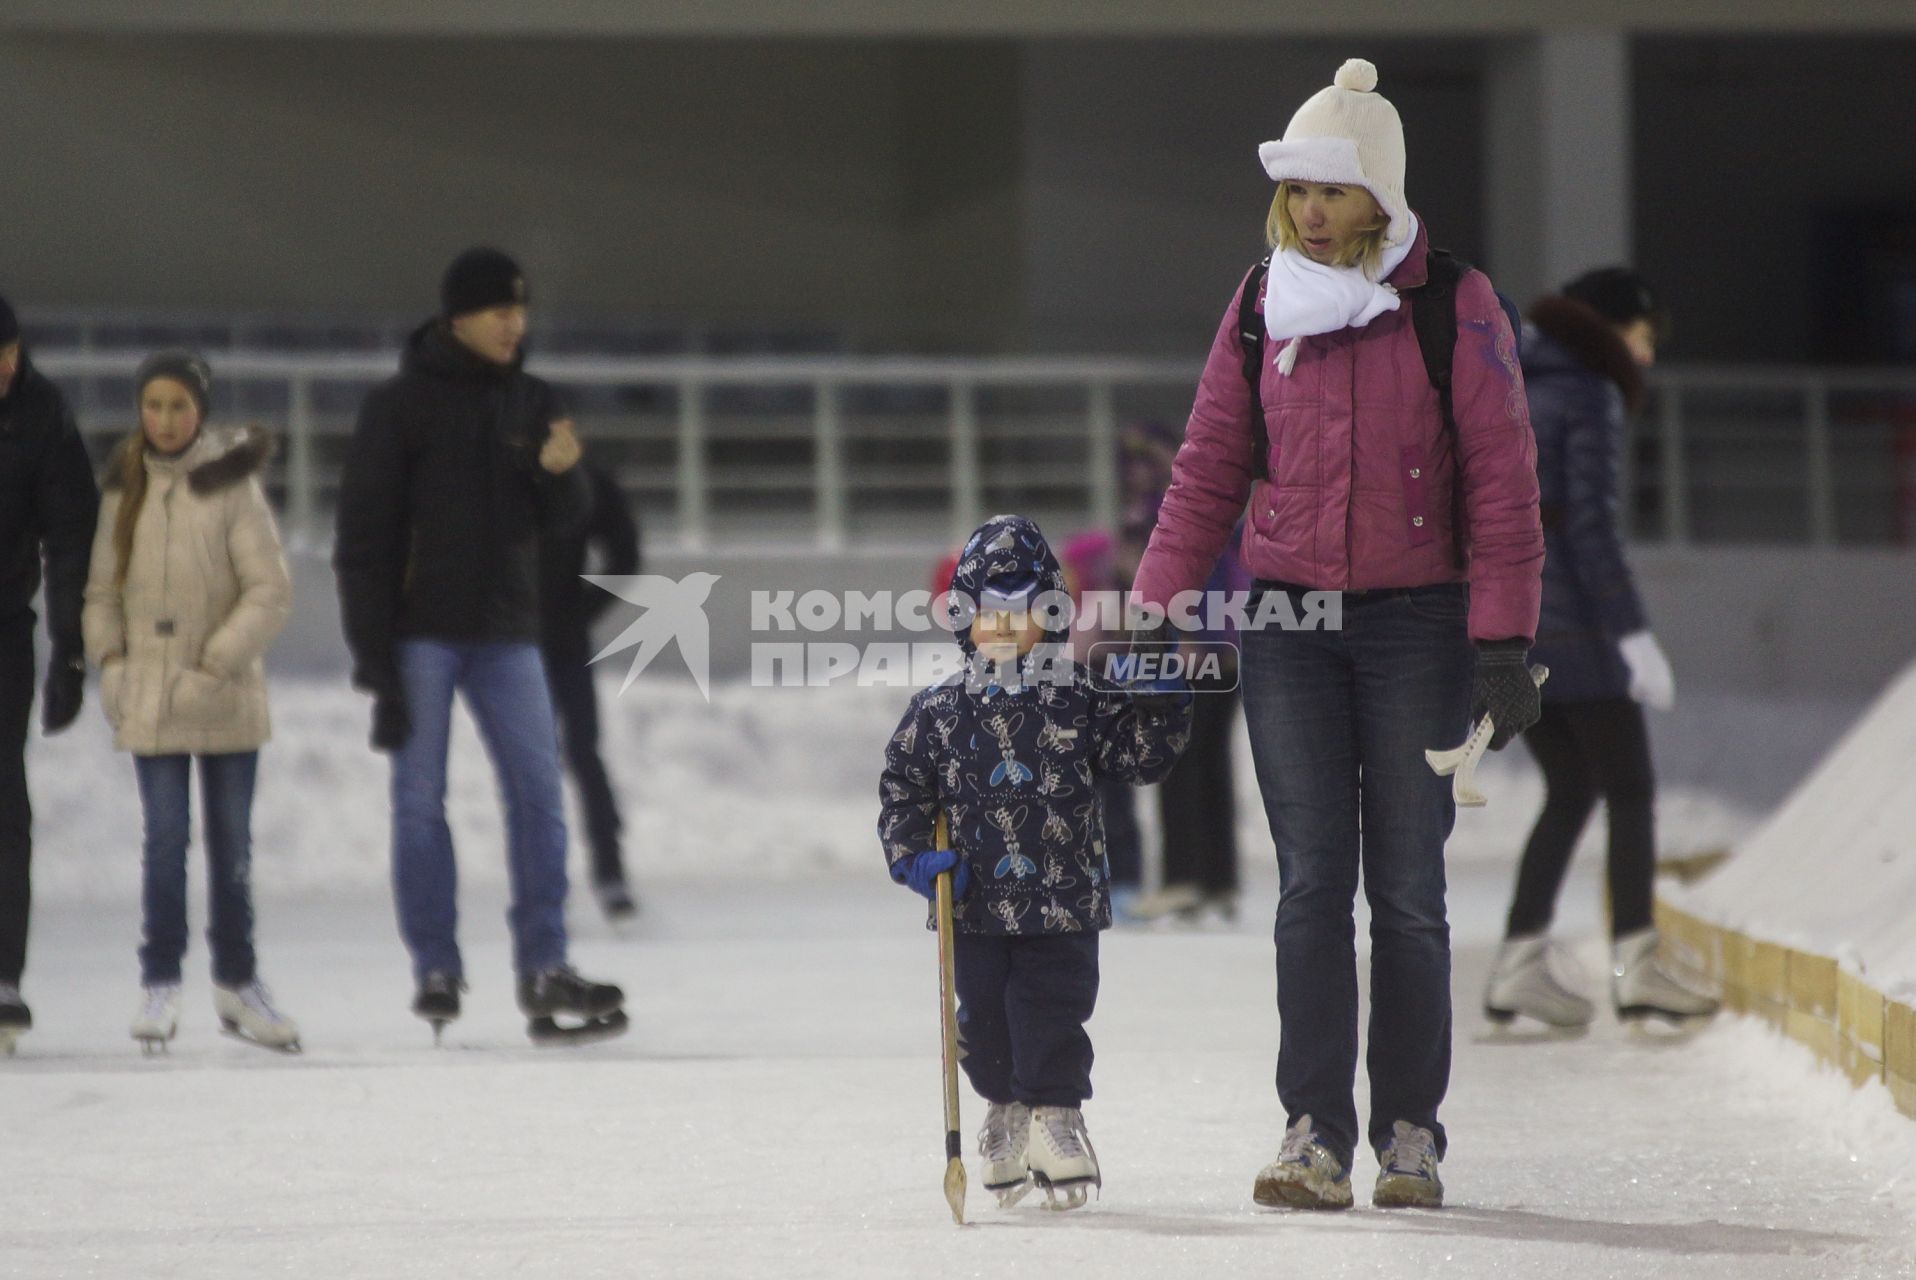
(1833, 871)
(759, 782)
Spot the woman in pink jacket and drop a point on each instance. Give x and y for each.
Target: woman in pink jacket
(1430, 531)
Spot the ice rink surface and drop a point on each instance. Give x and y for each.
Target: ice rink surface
(775, 1112)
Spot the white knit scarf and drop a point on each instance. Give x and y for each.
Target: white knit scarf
(1303, 298)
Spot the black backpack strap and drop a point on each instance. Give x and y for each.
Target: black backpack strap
(1433, 314)
(1250, 339)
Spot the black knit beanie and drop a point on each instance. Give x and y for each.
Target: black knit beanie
(1620, 296)
(481, 278)
(9, 324)
(183, 367)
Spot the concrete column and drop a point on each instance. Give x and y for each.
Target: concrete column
(1560, 158)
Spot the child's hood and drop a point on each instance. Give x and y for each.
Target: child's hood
(1006, 555)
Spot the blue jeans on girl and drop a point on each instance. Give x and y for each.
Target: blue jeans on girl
(226, 789)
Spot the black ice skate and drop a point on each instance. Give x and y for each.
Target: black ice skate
(437, 1001)
(591, 1010)
(616, 900)
(15, 1018)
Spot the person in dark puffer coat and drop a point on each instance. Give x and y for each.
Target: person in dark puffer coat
(1013, 765)
(48, 501)
(1584, 355)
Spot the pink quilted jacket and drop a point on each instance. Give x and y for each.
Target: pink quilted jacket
(1359, 490)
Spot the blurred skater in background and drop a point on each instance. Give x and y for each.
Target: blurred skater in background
(48, 502)
(1197, 803)
(608, 541)
(1090, 563)
(187, 588)
(458, 466)
(1584, 353)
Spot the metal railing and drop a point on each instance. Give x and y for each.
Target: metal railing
(1807, 455)
(831, 453)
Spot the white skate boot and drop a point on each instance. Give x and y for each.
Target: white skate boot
(1060, 1157)
(247, 1013)
(1001, 1142)
(159, 1017)
(1521, 983)
(1305, 1174)
(1645, 989)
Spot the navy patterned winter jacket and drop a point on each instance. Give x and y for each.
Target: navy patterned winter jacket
(1013, 770)
(1581, 381)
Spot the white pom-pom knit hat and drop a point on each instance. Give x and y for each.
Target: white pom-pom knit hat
(1349, 135)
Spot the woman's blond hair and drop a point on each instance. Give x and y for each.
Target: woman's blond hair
(1366, 250)
(130, 458)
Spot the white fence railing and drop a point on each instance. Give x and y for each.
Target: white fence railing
(824, 453)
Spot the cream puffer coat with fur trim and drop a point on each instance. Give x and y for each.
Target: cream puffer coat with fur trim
(180, 641)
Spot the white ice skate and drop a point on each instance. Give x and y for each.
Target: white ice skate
(1001, 1142)
(1522, 984)
(1171, 900)
(1305, 1174)
(1060, 1157)
(1644, 989)
(247, 1013)
(159, 1017)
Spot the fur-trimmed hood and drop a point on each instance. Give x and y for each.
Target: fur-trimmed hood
(1588, 339)
(219, 458)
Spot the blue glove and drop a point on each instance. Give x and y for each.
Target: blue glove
(919, 872)
(1163, 695)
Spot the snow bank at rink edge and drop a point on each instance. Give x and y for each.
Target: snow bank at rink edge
(1811, 925)
(759, 782)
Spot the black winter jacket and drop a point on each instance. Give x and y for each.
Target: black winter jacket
(443, 504)
(1581, 381)
(568, 604)
(1015, 771)
(48, 506)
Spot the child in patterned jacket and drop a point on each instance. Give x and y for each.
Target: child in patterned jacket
(1011, 751)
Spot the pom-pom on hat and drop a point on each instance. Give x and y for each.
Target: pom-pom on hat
(1348, 135)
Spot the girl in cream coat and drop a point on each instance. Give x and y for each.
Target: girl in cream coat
(187, 588)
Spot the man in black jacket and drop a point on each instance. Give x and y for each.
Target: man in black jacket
(569, 606)
(457, 468)
(48, 503)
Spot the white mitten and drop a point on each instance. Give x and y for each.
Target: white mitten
(1651, 681)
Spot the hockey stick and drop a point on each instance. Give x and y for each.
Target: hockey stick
(948, 1038)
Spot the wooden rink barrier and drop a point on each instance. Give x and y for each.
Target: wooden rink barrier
(1844, 1020)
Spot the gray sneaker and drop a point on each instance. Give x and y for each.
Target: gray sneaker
(1305, 1174)
(1407, 1173)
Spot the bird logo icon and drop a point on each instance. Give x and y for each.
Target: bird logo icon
(673, 611)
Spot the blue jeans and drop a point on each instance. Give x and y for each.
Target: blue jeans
(1339, 722)
(226, 789)
(504, 686)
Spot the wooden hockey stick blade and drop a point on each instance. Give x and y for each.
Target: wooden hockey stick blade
(955, 1181)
